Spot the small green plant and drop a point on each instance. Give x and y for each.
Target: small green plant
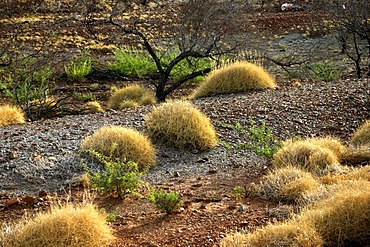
(261, 139)
(79, 68)
(86, 97)
(167, 202)
(109, 217)
(241, 192)
(324, 71)
(118, 178)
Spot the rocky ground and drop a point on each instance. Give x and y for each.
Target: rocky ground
(40, 163)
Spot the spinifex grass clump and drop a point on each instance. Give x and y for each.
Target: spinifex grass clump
(288, 184)
(235, 78)
(10, 115)
(276, 235)
(93, 107)
(307, 156)
(343, 218)
(122, 143)
(181, 125)
(64, 226)
(131, 96)
(361, 137)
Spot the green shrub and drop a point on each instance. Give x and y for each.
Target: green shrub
(261, 139)
(325, 71)
(181, 125)
(167, 202)
(10, 115)
(235, 78)
(117, 178)
(361, 137)
(79, 68)
(131, 96)
(132, 62)
(64, 226)
(122, 143)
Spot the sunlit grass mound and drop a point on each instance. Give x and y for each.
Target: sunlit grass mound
(10, 115)
(181, 125)
(64, 226)
(289, 234)
(235, 78)
(357, 155)
(93, 107)
(353, 174)
(343, 218)
(288, 184)
(123, 143)
(361, 137)
(125, 97)
(333, 144)
(307, 156)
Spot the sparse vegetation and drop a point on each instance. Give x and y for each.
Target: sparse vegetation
(167, 202)
(131, 96)
(10, 115)
(361, 137)
(181, 125)
(235, 78)
(93, 107)
(122, 143)
(65, 226)
(79, 67)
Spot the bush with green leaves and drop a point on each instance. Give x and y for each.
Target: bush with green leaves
(119, 177)
(261, 140)
(324, 71)
(167, 202)
(79, 67)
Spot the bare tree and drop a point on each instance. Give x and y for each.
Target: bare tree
(200, 32)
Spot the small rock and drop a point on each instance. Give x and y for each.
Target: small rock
(43, 193)
(28, 199)
(213, 171)
(13, 155)
(164, 155)
(12, 166)
(13, 201)
(176, 174)
(241, 208)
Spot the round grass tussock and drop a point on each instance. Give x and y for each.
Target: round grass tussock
(361, 137)
(122, 143)
(72, 226)
(235, 78)
(10, 115)
(331, 143)
(288, 184)
(181, 125)
(277, 235)
(343, 218)
(132, 93)
(357, 155)
(93, 107)
(307, 156)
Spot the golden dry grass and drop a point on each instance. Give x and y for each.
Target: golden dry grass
(288, 184)
(72, 226)
(10, 115)
(333, 144)
(353, 174)
(180, 124)
(237, 77)
(361, 137)
(307, 155)
(93, 107)
(357, 155)
(132, 93)
(342, 219)
(292, 234)
(122, 143)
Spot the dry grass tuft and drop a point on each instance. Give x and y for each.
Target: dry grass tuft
(237, 77)
(132, 93)
(180, 124)
(307, 156)
(93, 107)
(343, 218)
(288, 184)
(64, 226)
(361, 137)
(333, 144)
(357, 155)
(353, 174)
(283, 234)
(122, 143)
(10, 115)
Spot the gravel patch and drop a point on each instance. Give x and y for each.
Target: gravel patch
(43, 155)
